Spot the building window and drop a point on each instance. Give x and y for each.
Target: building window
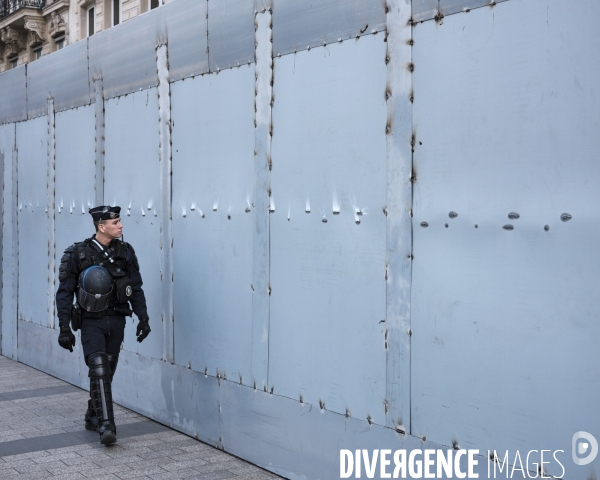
(154, 4)
(59, 42)
(37, 53)
(14, 61)
(90, 21)
(116, 8)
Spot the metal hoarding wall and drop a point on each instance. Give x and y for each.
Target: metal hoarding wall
(505, 222)
(385, 240)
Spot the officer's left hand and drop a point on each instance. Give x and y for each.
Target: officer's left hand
(143, 329)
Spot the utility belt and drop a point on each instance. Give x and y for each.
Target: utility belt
(78, 314)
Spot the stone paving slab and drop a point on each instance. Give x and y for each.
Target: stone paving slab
(42, 437)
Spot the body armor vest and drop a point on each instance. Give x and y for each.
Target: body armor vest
(114, 259)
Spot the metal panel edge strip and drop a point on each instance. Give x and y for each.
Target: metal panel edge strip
(50, 211)
(166, 239)
(99, 141)
(399, 202)
(15, 243)
(261, 239)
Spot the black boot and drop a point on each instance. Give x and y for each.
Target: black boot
(91, 419)
(101, 393)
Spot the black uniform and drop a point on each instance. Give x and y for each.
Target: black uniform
(102, 332)
(75, 260)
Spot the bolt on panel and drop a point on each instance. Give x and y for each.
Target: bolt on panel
(499, 301)
(424, 9)
(328, 228)
(186, 25)
(230, 33)
(213, 220)
(301, 25)
(33, 217)
(131, 180)
(63, 75)
(13, 95)
(124, 55)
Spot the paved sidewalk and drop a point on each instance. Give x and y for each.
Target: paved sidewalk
(42, 436)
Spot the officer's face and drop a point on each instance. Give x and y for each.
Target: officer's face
(112, 228)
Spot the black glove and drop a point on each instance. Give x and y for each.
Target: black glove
(66, 339)
(143, 329)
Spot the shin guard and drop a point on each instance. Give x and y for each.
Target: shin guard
(101, 393)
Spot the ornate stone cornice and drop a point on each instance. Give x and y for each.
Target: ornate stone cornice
(15, 41)
(37, 32)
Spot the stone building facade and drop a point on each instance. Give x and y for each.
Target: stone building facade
(30, 29)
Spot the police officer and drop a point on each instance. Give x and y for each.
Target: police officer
(104, 273)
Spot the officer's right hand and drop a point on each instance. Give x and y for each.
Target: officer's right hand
(66, 339)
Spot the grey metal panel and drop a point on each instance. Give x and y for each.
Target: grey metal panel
(230, 33)
(125, 55)
(187, 29)
(501, 316)
(424, 9)
(213, 220)
(298, 25)
(131, 180)
(328, 300)
(74, 181)
(398, 207)
(64, 75)
(13, 95)
(33, 220)
(10, 272)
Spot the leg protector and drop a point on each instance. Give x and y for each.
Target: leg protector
(113, 359)
(101, 394)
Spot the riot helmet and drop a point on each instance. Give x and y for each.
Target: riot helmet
(95, 289)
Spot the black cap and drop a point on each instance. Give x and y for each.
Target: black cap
(105, 213)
